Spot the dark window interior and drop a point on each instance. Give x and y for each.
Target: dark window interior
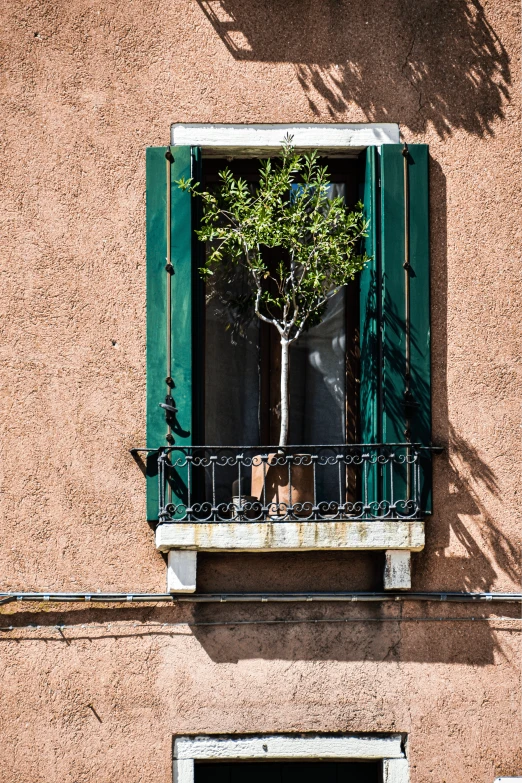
(241, 367)
(289, 772)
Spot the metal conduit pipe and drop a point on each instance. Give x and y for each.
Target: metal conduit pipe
(459, 597)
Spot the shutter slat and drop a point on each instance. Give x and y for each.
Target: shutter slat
(393, 302)
(369, 325)
(156, 206)
(420, 308)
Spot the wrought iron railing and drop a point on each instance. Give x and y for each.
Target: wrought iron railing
(368, 482)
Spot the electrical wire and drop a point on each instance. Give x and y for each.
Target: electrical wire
(283, 597)
(224, 623)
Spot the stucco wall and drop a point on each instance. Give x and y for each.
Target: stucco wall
(86, 87)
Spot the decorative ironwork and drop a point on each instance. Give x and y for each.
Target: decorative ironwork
(327, 483)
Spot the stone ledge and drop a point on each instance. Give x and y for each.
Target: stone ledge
(291, 536)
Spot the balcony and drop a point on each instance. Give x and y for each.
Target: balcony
(337, 497)
(210, 484)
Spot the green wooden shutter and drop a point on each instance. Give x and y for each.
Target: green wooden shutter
(391, 410)
(406, 403)
(182, 292)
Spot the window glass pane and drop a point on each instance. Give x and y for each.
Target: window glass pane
(232, 383)
(318, 373)
(234, 374)
(232, 380)
(317, 379)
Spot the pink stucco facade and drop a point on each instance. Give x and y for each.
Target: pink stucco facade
(86, 88)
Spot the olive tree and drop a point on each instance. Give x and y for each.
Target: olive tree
(316, 240)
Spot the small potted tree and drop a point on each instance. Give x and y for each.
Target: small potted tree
(317, 242)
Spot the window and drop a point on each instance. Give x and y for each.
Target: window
(241, 373)
(392, 324)
(241, 370)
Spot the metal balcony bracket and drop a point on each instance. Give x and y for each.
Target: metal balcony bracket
(397, 569)
(181, 571)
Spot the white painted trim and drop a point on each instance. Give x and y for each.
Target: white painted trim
(395, 771)
(508, 780)
(387, 749)
(183, 770)
(394, 534)
(288, 747)
(263, 139)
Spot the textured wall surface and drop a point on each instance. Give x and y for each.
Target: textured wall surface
(86, 86)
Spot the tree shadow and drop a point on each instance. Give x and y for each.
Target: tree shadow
(463, 485)
(488, 551)
(423, 62)
(462, 481)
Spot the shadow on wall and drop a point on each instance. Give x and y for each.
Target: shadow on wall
(462, 480)
(375, 638)
(467, 476)
(229, 633)
(417, 61)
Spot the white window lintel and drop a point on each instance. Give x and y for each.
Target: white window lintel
(388, 749)
(334, 139)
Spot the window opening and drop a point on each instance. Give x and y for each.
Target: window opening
(241, 404)
(289, 772)
(242, 355)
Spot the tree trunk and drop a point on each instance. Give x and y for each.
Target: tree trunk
(283, 436)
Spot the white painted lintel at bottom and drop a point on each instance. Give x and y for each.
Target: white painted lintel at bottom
(265, 139)
(388, 749)
(289, 747)
(396, 534)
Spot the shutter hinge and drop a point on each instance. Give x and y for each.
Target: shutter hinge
(411, 406)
